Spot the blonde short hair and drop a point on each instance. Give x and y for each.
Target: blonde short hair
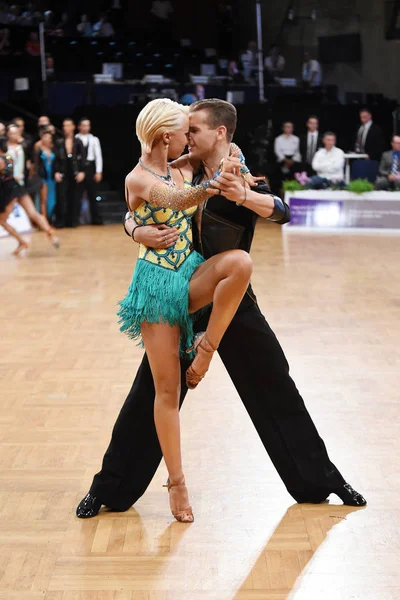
(156, 117)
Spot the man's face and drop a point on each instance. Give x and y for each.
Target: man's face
(43, 121)
(396, 143)
(365, 117)
(84, 127)
(201, 139)
(13, 135)
(288, 128)
(2, 129)
(68, 127)
(329, 141)
(312, 125)
(20, 123)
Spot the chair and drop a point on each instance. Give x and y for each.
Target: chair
(364, 169)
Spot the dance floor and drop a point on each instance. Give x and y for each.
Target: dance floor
(333, 301)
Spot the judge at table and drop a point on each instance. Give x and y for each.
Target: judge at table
(328, 163)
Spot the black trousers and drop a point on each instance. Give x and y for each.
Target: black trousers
(259, 370)
(68, 203)
(90, 186)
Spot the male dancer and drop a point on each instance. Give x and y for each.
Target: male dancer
(249, 350)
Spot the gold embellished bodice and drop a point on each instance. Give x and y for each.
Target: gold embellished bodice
(169, 258)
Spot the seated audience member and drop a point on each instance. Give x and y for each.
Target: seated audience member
(103, 27)
(310, 142)
(369, 137)
(274, 63)
(249, 62)
(287, 151)
(311, 72)
(5, 43)
(328, 163)
(389, 168)
(84, 27)
(32, 46)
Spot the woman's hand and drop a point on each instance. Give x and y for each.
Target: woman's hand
(232, 164)
(158, 237)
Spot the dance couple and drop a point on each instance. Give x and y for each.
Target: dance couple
(203, 202)
(13, 189)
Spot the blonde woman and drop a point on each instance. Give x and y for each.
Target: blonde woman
(170, 285)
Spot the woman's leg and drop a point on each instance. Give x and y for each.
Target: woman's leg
(38, 219)
(223, 280)
(3, 222)
(162, 346)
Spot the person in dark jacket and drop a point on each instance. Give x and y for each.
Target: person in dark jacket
(369, 137)
(260, 371)
(69, 173)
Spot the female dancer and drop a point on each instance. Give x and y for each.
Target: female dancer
(170, 285)
(44, 166)
(16, 153)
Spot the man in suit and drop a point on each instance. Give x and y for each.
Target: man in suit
(93, 167)
(369, 138)
(259, 371)
(389, 168)
(310, 142)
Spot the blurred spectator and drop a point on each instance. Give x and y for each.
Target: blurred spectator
(69, 173)
(188, 98)
(93, 167)
(389, 168)
(162, 10)
(84, 27)
(44, 163)
(14, 15)
(5, 44)
(3, 13)
(328, 163)
(2, 129)
(32, 46)
(64, 27)
(249, 62)
(369, 138)
(26, 139)
(103, 27)
(50, 72)
(275, 63)
(234, 72)
(287, 151)
(312, 72)
(310, 142)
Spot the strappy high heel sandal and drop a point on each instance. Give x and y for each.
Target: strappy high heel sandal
(185, 515)
(203, 344)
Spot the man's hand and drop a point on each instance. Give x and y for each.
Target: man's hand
(158, 237)
(288, 162)
(58, 177)
(392, 177)
(232, 164)
(80, 177)
(98, 177)
(232, 187)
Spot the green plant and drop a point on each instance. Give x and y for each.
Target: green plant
(292, 186)
(360, 186)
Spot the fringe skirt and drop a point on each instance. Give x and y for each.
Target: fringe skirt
(160, 295)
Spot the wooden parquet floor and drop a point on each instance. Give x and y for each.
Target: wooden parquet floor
(65, 370)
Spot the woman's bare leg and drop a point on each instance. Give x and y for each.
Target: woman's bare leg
(162, 346)
(223, 280)
(38, 219)
(43, 200)
(3, 222)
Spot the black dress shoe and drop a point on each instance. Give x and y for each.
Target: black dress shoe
(88, 507)
(349, 496)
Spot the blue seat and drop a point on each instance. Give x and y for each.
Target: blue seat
(364, 169)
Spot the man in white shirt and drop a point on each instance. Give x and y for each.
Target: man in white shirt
(287, 151)
(274, 63)
(94, 167)
(328, 163)
(312, 72)
(249, 62)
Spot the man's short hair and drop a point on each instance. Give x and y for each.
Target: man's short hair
(328, 133)
(366, 109)
(313, 117)
(83, 119)
(68, 119)
(288, 123)
(220, 113)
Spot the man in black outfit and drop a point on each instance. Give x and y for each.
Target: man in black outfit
(93, 167)
(310, 142)
(259, 370)
(369, 137)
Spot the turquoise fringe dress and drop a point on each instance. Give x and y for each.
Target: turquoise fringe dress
(159, 291)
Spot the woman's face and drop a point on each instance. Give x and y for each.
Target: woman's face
(47, 139)
(178, 139)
